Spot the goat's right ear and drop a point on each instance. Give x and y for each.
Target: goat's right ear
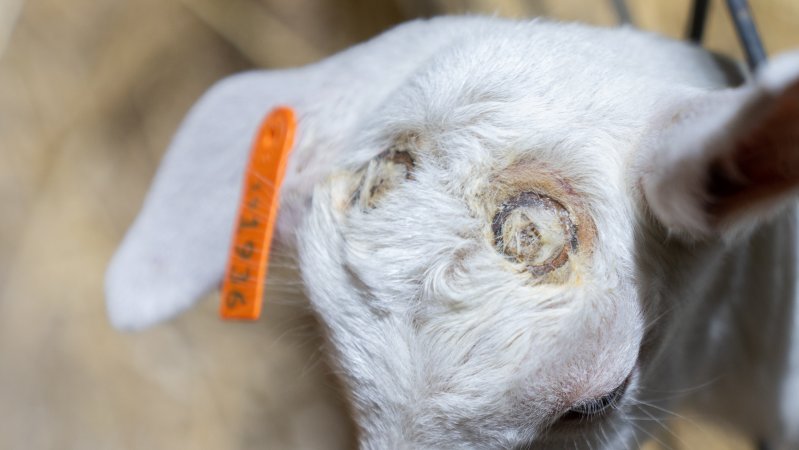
(175, 251)
(721, 162)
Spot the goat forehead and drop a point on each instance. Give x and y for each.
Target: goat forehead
(438, 225)
(469, 305)
(472, 310)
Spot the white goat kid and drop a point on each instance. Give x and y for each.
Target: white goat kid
(516, 234)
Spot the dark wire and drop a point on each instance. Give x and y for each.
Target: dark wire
(747, 32)
(741, 16)
(698, 19)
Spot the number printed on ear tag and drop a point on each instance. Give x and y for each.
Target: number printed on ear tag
(248, 262)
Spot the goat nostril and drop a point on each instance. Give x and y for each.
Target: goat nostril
(596, 406)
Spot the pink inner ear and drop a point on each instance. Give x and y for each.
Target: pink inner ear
(765, 159)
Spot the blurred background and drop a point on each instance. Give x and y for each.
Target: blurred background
(90, 93)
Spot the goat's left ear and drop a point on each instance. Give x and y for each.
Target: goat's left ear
(722, 162)
(176, 250)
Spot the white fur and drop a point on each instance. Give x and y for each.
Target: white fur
(442, 342)
(780, 72)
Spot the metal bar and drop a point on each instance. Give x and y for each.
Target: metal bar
(622, 12)
(696, 28)
(747, 32)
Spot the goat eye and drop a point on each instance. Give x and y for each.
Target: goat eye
(593, 407)
(536, 231)
(597, 406)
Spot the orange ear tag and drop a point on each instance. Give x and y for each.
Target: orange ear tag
(245, 276)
